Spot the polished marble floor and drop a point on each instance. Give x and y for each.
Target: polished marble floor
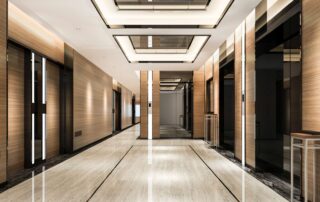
(124, 168)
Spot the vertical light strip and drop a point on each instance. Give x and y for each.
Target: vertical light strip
(243, 91)
(44, 80)
(32, 76)
(150, 105)
(44, 99)
(33, 100)
(150, 42)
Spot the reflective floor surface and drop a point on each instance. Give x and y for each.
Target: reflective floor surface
(124, 168)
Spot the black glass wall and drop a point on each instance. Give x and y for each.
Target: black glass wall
(227, 103)
(278, 95)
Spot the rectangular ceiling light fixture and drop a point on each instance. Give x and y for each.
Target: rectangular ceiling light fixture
(166, 17)
(168, 88)
(154, 54)
(162, 4)
(178, 44)
(170, 80)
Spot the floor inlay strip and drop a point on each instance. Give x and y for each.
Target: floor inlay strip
(109, 173)
(214, 173)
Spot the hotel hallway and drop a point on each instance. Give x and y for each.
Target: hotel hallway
(124, 168)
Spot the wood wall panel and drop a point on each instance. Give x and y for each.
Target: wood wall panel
(156, 105)
(216, 86)
(144, 104)
(92, 94)
(311, 79)
(209, 68)
(3, 90)
(250, 91)
(16, 108)
(25, 30)
(311, 66)
(216, 78)
(126, 107)
(198, 103)
(238, 92)
(53, 109)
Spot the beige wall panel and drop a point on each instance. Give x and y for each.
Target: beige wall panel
(28, 32)
(126, 107)
(209, 68)
(216, 87)
(198, 103)
(144, 104)
(250, 90)
(15, 110)
(238, 93)
(53, 109)
(311, 77)
(3, 90)
(156, 105)
(92, 94)
(216, 82)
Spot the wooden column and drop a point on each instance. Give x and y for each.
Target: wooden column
(156, 105)
(311, 80)
(198, 103)
(216, 86)
(250, 91)
(144, 104)
(3, 89)
(238, 92)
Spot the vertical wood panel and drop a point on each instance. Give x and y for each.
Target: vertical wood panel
(156, 105)
(216, 84)
(92, 102)
(311, 63)
(199, 102)
(209, 68)
(3, 90)
(216, 78)
(144, 104)
(28, 32)
(238, 92)
(53, 109)
(311, 78)
(250, 90)
(15, 110)
(126, 107)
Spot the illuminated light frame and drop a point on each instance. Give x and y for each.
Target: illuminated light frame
(33, 102)
(162, 7)
(113, 17)
(192, 54)
(43, 102)
(243, 92)
(150, 83)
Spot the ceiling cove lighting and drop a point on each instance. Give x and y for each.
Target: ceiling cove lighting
(162, 5)
(117, 18)
(133, 56)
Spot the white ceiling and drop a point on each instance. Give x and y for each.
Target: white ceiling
(78, 23)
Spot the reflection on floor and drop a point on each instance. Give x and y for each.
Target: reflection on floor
(173, 131)
(124, 168)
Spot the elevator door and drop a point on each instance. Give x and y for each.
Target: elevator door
(116, 111)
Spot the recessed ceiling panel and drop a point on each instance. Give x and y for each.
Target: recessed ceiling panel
(161, 44)
(162, 4)
(157, 49)
(208, 17)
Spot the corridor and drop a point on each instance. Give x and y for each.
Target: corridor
(124, 168)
